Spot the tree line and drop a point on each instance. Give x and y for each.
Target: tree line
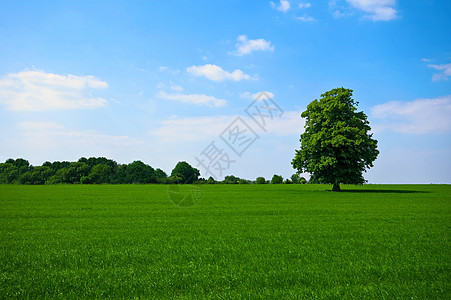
(100, 170)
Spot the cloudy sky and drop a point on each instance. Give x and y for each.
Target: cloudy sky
(167, 81)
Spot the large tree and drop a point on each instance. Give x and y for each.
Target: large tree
(337, 146)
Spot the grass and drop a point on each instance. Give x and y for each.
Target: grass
(236, 241)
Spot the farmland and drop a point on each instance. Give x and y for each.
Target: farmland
(132, 241)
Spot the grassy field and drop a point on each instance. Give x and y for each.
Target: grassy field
(236, 241)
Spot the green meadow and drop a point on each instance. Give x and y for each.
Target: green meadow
(225, 241)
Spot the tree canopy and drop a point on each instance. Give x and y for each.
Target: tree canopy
(260, 180)
(185, 173)
(277, 179)
(337, 146)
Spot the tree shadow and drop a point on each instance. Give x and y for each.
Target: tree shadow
(370, 191)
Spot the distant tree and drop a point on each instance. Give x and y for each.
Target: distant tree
(8, 173)
(59, 177)
(295, 178)
(83, 159)
(66, 172)
(20, 166)
(119, 175)
(288, 181)
(92, 161)
(230, 179)
(211, 180)
(174, 180)
(337, 146)
(201, 181)
(139, 172)
(26, 178)
(47, 164)
(260, 180)
(160, 176)
(276, 179)
(243, 181)
(19, 163)
(76, 171)
(41, 174)
(57, 165)
(185, 172)
(100, 173)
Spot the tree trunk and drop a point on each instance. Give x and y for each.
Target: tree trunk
(336, 187)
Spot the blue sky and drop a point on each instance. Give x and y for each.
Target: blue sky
(165, 81)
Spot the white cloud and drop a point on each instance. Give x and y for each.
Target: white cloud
(216, 73)
(423, 116)
(245, 46)
(177, 88)
(444, 74)
(378, 10)
(338, 14)
(306, 18)
(40, 91)
(254, 96)
(166, 69)
(197, 99)
(191, 129)
(290, 123)
(196, 129)
(284, 5)
(304, 5)
(40, 126)
(339, 10)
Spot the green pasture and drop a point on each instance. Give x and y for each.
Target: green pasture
(225, 241)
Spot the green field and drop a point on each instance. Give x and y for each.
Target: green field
(236, 241)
